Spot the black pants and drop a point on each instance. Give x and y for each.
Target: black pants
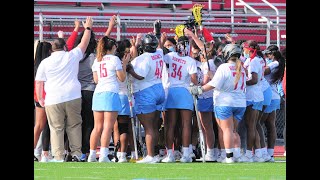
(46, 137)
(87, 119)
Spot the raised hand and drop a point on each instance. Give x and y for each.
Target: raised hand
(60, 34)
(89, 22)
(113, 21)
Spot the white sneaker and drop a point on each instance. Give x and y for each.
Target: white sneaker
(245, 158)
(192, 156)
(271, 160)
(220, 158)
(227, 160)
(58, 161)
(157, 158)
(258, 159)
(168, 159)
(210, 157)
(44, 158)
(177, 155)
(266, 157)
(104, 159)
(122, 159)
(147, 159)
(186, 159)
(92, 158)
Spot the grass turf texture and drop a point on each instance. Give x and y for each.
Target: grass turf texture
(247, 171)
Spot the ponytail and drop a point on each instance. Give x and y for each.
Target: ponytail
(238, 71)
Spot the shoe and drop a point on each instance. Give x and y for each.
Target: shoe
(104, 159)
(168, 159)
(228, 160)
(258, 159)
(147, 159)
(122, 159)
(272, 159)
(83, 158)
(68, 158)
(58, 161)
(266, 157)
(157, 158)
(36, 158)
(75, 158)
(220, 158)
(92, 158)
(177, 155)
(245, 158)
(210, 157)
(44, 158)
(186, 159)
(284, 154)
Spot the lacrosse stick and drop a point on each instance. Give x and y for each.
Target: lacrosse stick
(199, 125)
(131, 115)
(197, 14)
(118, 26)
(40, 27)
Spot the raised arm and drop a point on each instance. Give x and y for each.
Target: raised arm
(199, 43)
(87, 34)
(72, 39)
(112, 23)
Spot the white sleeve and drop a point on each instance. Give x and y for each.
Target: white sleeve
(95, 66)
(166, 58)
(218, 78)
(118, 64)
(192, 68)
(76, 53)
(254, 66)
(41, 76)
(141, 66)
(273, 65)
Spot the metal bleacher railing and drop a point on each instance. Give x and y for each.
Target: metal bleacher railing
(242, 24)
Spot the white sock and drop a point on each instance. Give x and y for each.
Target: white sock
(104, 151)
(119, 154)
(210, 151)
(185, 151)
(123, 154)
(93, 152)
(271, 151)
(170, 152)
(249, 153)
(258, 153)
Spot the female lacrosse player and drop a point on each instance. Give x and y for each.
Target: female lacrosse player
(106, 101)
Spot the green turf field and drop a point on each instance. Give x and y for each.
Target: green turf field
(246, 171)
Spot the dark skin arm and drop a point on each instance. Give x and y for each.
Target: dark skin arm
(253, 80)
(131, 71)
(267, 71)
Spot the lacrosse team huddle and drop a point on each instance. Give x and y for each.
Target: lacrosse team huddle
(188, 92)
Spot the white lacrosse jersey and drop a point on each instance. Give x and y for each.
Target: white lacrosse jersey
(149, 66)
(106, 71)
(264, 83)
(180, 69)
(254, 92)
(202, 70)
(273, 65)
(123, 90)
(226, 92)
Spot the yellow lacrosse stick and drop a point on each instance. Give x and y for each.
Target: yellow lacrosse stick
(179, 30)
(196, 11)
